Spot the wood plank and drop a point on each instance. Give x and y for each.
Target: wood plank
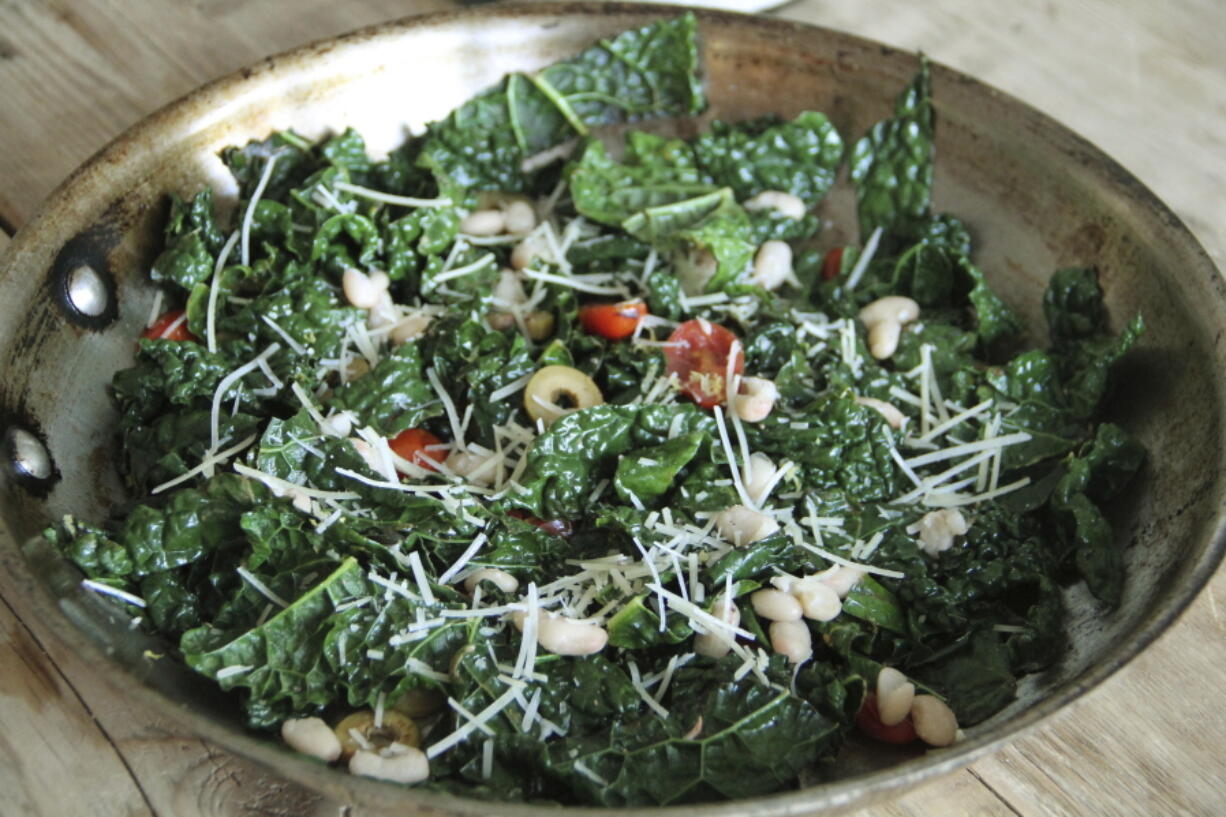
(59, 720)
(48, 735)
(1135, 78)
(1149, 741)
(86, 71)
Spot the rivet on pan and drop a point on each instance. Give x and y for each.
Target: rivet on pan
(86, 291)
(30, 456)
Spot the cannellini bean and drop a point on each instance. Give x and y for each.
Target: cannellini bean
(938, 529)
(565, 636)
(338, 425)
(841, 579)
(894, 696)
(410, 327)
(363, 730)
(518, 217)
(384, 312)
(311, 736)
(757, 400)
(479, 469)
(785, 204)
(792, 639)
(694, 268)
(892, 415)
(776, 605)
(741, 525)
(718, 644)
(362, 290)
(408, 766)
(772, 266)
(884, 319)
(554, 383)
(525, 252)
(501, 579)
(369, 455)
(509, 289)
(818, 601)
(483, 223)
(935, 723)
(759, 473)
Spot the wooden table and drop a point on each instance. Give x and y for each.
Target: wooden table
(1145, 81)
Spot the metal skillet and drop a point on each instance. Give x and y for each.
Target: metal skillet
(1036, 196)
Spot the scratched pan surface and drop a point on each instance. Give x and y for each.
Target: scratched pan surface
(1036, 196)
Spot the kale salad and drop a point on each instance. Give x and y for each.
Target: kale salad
(541, 460)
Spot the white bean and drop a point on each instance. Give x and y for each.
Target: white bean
(369, 455)
(483, 223)
(818, 600)
(759, 473)
(518, 217)
(938, 529)
(776, 605)
(897, 308)
(935, 723)
(792, 639)
(311, 736)
(785, 204)
(741, 525)
(694, 268)
(410, 327)
(509, 289)
(717, 644)
(772, 266)
(525, 252)
(479, 469)
(884, 319)
(883, 339)
(841, 579)
(891, 414)
(408, 766)
(565, 636)
(362, 290)
(338, 425)
(384, 311)
(894, 696)
(501, 579)
(757, 401)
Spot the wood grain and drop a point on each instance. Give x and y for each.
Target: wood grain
(1144, 81)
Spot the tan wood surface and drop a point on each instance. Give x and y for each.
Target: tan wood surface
(1144, 80)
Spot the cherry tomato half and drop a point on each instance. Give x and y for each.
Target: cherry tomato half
(414, 445)
(612, 321)
(170, 326)
(557, 527)
(869, 722)
(832, 264)
(697, 352)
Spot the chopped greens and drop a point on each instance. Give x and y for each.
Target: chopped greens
(351, 490)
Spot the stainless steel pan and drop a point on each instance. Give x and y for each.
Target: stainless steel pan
(1037, 197)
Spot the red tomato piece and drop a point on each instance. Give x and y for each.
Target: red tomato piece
(869, 722)
(612, 321)
(832, 264)
(415, 445)
(170, 326)
(557, 527)
(697, 352)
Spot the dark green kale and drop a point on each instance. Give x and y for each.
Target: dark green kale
(651, 71)
(891, 166)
